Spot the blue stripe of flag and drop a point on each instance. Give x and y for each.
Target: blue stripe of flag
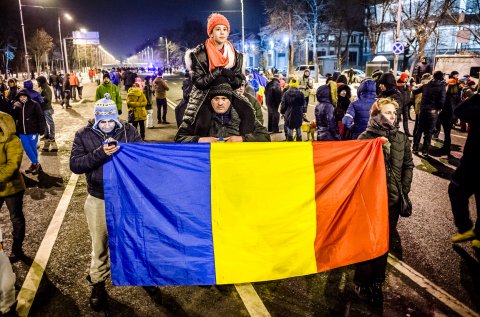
(158, 209)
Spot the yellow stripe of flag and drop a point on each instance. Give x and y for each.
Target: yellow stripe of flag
(260, 196)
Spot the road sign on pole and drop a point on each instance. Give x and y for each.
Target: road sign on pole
(397, 48)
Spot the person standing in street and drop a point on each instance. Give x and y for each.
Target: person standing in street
(423, 67)
(405, 106)
(433, 99)
(66, 92)
(445, 117)
(305, 87)
(73, 85)
(30, 123)
(49, 135)
(93, 146)
(148, 91)
(80, 84)
(161, 88)
(327, 127)
(136, 102)
(292, 107)
(12, 185)
(111, 89)
(465, 180)
(273, 98)
(370, 275)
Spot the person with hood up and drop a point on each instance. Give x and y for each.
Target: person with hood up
(370, 275)
(224, 117)
(12, 186)
(433, 99)
(388, 89)
(292, 108)
(215, 58)
(148, 91)
(30, 123)
(34, 95)
(93, 146)
(49, 135)
(358, 113)
(327, 128)
(111, 89)
(344, 95)
(136, 102)
(464, 182)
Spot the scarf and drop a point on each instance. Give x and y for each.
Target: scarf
(216, 58)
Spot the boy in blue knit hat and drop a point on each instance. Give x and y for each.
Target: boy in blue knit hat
(93, 146)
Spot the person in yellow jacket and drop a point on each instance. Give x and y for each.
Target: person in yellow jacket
(137, 112)
(12, 185)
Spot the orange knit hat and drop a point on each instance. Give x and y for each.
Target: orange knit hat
(216, 19)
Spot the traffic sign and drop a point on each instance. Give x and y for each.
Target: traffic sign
(398, 48)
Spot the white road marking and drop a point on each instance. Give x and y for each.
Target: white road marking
(252, 301)
(34, 276)
(447, 299)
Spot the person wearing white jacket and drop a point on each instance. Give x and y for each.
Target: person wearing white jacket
(7, 284)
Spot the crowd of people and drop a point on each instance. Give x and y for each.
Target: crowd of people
(222, 104)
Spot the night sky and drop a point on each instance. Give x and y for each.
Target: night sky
(123, 25)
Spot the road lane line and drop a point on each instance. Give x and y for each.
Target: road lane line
(34, 276)
(444, 297)
(251, 300)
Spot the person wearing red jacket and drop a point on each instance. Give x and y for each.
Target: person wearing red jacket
(73, 85)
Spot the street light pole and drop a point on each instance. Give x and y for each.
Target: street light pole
(61, 45)
(24, 40)
(243, 29)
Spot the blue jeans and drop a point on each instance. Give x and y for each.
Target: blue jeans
(50, 126)
(29, 142)
(298, 132)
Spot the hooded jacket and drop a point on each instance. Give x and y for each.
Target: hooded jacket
(398, 157)
(34, 95)
(46, 93)
(327, 128)
(29, 116)
(241, 121)
(358, 112)
(292, 105)
(88, 156)
(11, 154)
(137, 102)
(196, 61)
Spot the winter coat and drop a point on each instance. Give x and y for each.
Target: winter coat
(418, 97)
(327, 128)
(358, 113)
(273, 94)
(88, 156)
(420, 69)
(136, 102)
(343, 101)
(469, 111)
(34, 95)
(29, 117)
(5, 106)
(292, 105)
(112, 89)
(256, 106)
(11, 154)
(196, 61)
(114, 78)
(129, 79)
(397, 153)
(305, 86)
(73, 79)
(12, 93)
(147, 91)
(47, 97)
(433, 95)
(241, 121)
(161, 88)
(394, 94)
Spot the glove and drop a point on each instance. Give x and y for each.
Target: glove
(119, 112)
(216, 72)
(230, 74)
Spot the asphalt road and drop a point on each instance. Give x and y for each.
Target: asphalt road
(425, 247)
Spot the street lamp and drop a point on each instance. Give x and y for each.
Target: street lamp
(23, 32)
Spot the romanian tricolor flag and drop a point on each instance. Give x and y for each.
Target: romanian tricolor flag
(222, 213)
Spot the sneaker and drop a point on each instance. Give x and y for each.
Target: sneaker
(476, 244)
(53, 146)
(46, 146)
(36, 168)
(98, 299)
(460, 237)
(425, 152)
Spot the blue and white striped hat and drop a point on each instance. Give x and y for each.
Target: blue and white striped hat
(105, 109)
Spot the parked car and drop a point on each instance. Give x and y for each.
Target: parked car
(359, 74)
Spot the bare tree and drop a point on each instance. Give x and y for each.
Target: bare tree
(280, 15)
(376, 21)
(40, 43)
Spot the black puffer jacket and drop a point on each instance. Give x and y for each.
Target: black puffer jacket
(397, 153)
(293, 102)
(393, 93)
(241, 121)
(88, 156)
(29, 116)
(202, 78)
(433, 95)
(273, 94)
